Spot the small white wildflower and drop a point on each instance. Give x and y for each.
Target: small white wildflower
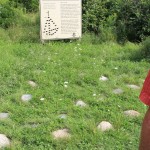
(42, 99)
(65, 86)
(66, 82)
(94, 94)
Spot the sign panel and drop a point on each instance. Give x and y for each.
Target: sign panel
(60, 19)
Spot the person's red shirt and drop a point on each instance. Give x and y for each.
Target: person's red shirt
(145, 92)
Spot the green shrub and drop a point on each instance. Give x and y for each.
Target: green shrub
(29, 5)
(145, 49)
(93, 15)
(7, 15)
(133, 20)
(99, 18)
(10, 16)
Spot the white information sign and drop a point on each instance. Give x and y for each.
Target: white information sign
(61, 19)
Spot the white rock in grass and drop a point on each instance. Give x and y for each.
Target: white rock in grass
(117, 91)
(103, 78)
(61, 134)
(26, 97)
(4, 115)
(131, 113)
(132, 86)
(104, 126)
(4, 141)
(63, 116)
(80, 103)
(32, 83)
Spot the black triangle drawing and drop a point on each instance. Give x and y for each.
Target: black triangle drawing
(50, 27)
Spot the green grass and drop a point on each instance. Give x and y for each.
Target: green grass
(80, 63)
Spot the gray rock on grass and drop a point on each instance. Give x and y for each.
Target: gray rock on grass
(118, 91)
(26, 97)
(80, 103)
(32, 83)
(131, 113)
(61, 134)
(103, 78)
(104, 126)
(63, 116)
(132, 86)
(4, 141)
(4, 115)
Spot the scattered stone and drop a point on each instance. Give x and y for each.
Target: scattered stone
(26, 97)
(103, 78)
(4, 115)
(117, 91)
(132, 86)
(32, 83)
(131, 113)
(80, 103)
(4, 141)
(60, 134)
(63, 116)
(104, 126)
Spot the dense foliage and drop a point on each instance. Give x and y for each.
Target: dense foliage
(133, 20)
(9, 15)
(146, 48)
(30, 5)
(124, 20)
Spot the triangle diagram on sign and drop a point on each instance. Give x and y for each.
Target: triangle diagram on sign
(50, 27)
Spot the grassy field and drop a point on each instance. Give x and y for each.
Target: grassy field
(64, 73)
